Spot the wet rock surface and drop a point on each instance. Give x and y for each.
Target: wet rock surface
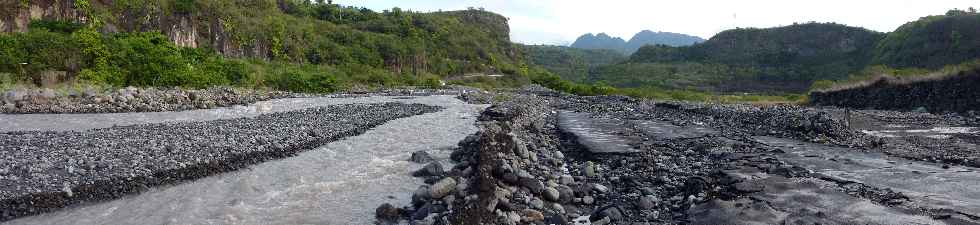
(43, 171)
(693, 163)
(949, 138)
(130, 99)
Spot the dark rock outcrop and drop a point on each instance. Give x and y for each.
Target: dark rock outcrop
(953, 93)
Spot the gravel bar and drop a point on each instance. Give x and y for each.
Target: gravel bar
(44, 171)
(130, 99)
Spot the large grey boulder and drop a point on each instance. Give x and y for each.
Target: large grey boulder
(442, 188)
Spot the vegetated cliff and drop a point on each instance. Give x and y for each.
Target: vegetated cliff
(184, 28)
(297, 31)
(950, 93)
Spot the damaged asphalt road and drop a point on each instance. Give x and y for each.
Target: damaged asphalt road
(745, 178)
(548, 158)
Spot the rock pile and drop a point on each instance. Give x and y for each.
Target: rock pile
(521, 169)
(511, 172)
(129, 99)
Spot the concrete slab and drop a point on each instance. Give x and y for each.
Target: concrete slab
(956, 187)
(600, 136)
(666, 131)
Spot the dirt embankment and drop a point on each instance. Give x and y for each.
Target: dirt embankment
(954, 93)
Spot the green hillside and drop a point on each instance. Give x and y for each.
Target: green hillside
(570, 63)
(286, 44)
(932, 42)
(781, 59)
(790, 59)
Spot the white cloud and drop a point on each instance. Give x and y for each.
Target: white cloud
(561, 21)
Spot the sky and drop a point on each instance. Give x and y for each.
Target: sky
(560, 22)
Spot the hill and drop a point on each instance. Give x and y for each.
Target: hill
(790, 59)
(646, 37)
(287, 44)
(600, 41)
(932, 42)
(569, 63)
(780, 59)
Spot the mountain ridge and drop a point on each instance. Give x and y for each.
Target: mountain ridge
(640, 39)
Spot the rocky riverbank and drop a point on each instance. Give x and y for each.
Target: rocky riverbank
(535, 161)
(42, 171)
(951, 93)
(130, 99)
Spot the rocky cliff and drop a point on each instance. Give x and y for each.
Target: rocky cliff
(200, 28)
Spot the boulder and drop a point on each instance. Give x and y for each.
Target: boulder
(530, 215)
(565, 194)
(387, 213)
(420, 157)
(551, 194)
(432, 169)
(421, 196)
(442, 188)
(590, 170)
(647, 202)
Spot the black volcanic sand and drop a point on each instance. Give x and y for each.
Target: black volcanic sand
(43, 171)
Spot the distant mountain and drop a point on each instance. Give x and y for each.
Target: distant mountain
(646, 37)
(600, 41)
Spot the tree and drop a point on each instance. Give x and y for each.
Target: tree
(972, 10)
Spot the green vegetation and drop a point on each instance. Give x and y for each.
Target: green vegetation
(312, 46)
(789, 60)
(293, 45)
(932, 42)
(872, 73)
(139, 59)
(650, 92)
(569, 63)
(777, 60)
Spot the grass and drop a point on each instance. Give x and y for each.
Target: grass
(880, 73)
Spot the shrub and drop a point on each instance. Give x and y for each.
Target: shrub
(298, 80)
(59, 26)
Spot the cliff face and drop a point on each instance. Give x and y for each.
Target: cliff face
(16, 15)
(184, 29)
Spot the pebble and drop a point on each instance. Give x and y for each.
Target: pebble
(588, 200)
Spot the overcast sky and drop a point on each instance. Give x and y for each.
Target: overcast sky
(561, 21)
